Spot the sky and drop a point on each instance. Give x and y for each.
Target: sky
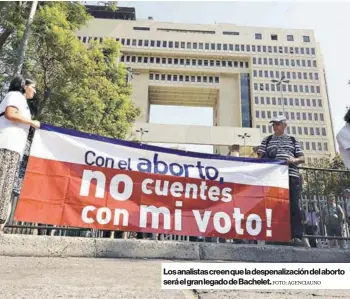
(329, 20)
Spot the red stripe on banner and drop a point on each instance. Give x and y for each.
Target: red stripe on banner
(56, 193)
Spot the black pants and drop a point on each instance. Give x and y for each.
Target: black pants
(311, 230)
(295, 213)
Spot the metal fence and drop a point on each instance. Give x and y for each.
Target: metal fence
(316, 186)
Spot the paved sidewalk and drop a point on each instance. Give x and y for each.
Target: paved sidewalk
(48, 278)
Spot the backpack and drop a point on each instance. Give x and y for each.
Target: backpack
(268, 141)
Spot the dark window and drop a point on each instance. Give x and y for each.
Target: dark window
(133, 58)
(176, 61)
(139, 59)
(304, 115)
(177, 45)
(321, 117)
(308, 103)
(313, 146)
(307, 51)
(158, 43)
(262, 101)
(170, 61)
(307, 145)
(199, 79)
(151, 77)
(194, 62)
(325, 147)
(200, 46)
(248, 48)
(182, 61)
(258, 36)
(274, 37)
(302, 51)
(163, 77)
(242, 48)
(258, 48)
(206, 46)
(319, 103)
(312, 89)
(181, 78)
(183, 45)
(276, 61)
(272, 74)
(313, 51)
(157, 76)
(302, 102)
(146, 43)
(324, 132)
(300, 130)
(145, 59)
(128, 42)
(236, 47)
(218, 64)
(157, 60)
(163, 60)
(314, 63)
(310, 117)
(218, 47)
(230, 33)
(306, 131)
(318, 131)
(217, 80)
(230, 46)
(253, 48)
(189, 45)
(264, 49)
(225, 47)
(195, 46)
(298, 115)
(306, 39)
(151, 60)
(315, 116)
(309, 63)
(175, 78)
(140, 43)
(193, 78)
(169, 78)
(256, 99)
(188, 61)
(212, 46)
(257, 114)
(164, 44)
(290, 38)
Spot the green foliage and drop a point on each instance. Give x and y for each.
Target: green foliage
(79, 87)
(326, 176)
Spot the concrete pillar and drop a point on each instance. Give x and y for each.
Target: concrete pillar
(140, 95)
(229, 105)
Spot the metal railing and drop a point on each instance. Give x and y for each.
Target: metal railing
(317, 184)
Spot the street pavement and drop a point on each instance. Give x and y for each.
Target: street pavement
(46, 278)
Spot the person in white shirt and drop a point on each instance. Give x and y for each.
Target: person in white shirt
(343, 139)
(15, 120)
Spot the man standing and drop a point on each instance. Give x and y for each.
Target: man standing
(333, 217)
(280, 146)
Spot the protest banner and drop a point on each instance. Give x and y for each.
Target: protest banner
(83, 180)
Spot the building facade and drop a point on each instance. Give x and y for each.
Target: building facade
(231, 69)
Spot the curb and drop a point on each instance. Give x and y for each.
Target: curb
(47, 246)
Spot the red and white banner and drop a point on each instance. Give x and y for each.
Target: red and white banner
(82, 180)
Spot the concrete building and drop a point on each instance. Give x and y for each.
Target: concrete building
(229, 68)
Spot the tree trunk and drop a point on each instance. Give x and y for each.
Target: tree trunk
(4, 36)
(24, 41)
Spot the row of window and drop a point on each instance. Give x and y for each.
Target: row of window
(284, 62)
(185, 61)
(290, 37)
(289, 88)
(184, 78)
(287, 75)
(291, 102)
(293, 130)
(292, 116)
(273, 36)
(207, 46)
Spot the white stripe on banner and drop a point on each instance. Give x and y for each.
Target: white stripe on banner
(66, 148)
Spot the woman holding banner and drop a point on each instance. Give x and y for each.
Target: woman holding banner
(15, 120)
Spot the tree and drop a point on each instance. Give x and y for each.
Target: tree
(326, 176)
(79, 87)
